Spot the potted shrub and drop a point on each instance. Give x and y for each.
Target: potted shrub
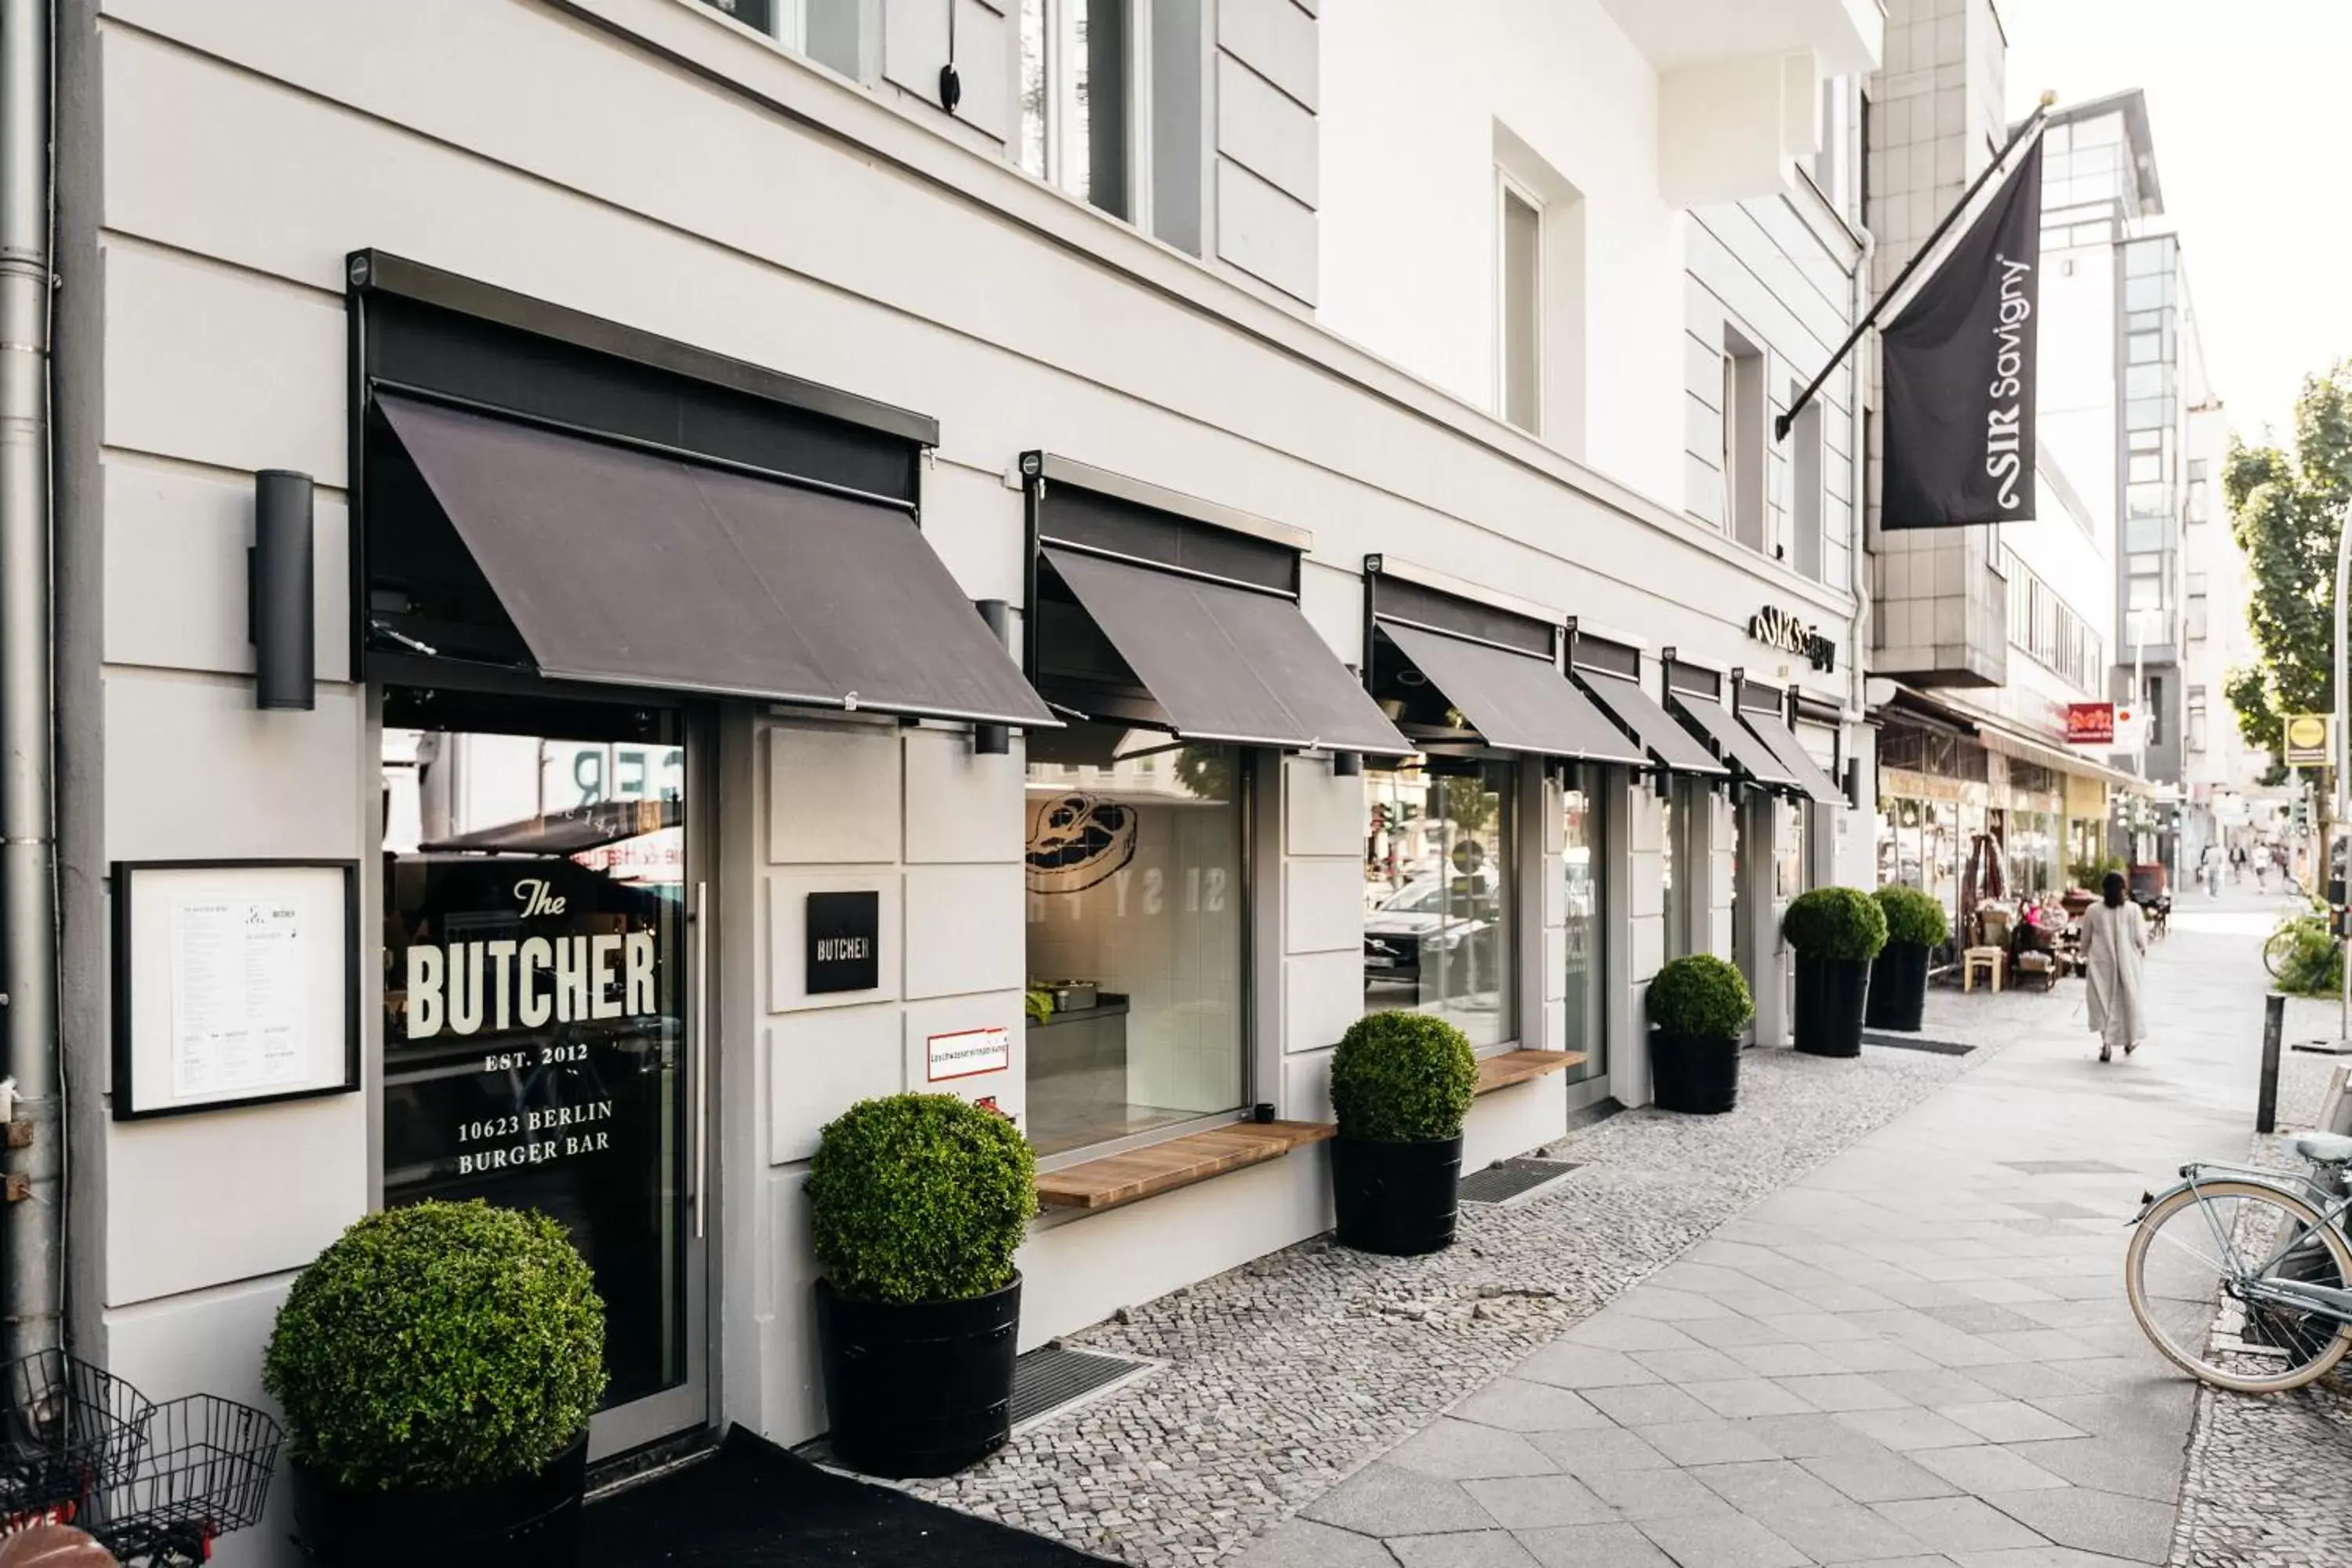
(437, 1365)
(919, 1203)
(1698, 1007)
(1402, 1085)
(1836, 931)
(1915, 925)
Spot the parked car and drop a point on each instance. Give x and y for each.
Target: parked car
(1432, 922)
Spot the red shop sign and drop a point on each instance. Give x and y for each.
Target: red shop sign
(2090, 723)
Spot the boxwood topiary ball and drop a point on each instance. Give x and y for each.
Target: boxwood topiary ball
(920, 1198)
(1834, 923)
(438, 1346)
(1700, 997)
(1402, 1077)
(1913, 918)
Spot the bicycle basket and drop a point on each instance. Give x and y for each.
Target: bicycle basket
(68, 1430)
(205, 1471)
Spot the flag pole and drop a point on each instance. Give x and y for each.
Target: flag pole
(1781, 422)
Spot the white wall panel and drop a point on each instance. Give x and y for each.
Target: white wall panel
(822, 1062)
(1264, 129)
(788, 936)
(1323, 906)
(176, 570)
(1323, 813)
(957, 1014)
(833, 795)
(961, 807)
(966, 930)
(1276, 39)
(1265, 232)
(193, 768)
(182, 1193)
(220, 367)
(1322, 993)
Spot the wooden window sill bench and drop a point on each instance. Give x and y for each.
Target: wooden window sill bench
(1523, 1067)
(1117, 1179)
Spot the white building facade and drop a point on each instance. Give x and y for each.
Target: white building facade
(868, 567)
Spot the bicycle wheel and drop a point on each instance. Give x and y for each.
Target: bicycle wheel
(2274, 951)
(2182, 1278)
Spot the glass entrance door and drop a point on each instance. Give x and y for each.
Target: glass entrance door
(542, 976)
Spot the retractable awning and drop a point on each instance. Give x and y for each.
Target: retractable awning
(1733, 742)
(624, 567)
(1812, 779)
(1638, 711)
(1227, 664)
(1513, 700)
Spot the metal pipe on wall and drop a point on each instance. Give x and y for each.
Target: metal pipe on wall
(35, 1216)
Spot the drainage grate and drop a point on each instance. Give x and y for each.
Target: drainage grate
(1053, 1376)
(1506, 1179)
(1916, 1043)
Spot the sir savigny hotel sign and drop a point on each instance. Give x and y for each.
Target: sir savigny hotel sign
(1776, 627)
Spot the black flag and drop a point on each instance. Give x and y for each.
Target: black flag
(1959, 363)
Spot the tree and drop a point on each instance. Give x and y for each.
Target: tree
(2287, 511)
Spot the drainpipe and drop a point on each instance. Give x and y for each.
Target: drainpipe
(1858, 558)
(34, 1212)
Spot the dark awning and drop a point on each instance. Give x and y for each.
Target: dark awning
(1657, 730)
(1227, 664)
(620, 566)
(1812, 778)
(1513, 700)
(1733, 742)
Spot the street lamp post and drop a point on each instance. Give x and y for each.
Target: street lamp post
(2336, 758)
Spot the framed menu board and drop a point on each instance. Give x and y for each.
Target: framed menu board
(236, 982)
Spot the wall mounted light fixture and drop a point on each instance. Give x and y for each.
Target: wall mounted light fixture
(281, 591)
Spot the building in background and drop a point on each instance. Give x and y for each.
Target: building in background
(1981, 637)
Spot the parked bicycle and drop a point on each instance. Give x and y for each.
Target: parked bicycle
(2238, 1275)
(154, 1484)
(2295, 932)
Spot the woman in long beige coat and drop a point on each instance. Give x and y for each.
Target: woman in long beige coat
(2114, 936)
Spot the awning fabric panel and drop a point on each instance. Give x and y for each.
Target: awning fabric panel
(1735, 740)
(1227, 664)
(1515, 702)
(1637, 711)
(1812, 778)
(621, 567)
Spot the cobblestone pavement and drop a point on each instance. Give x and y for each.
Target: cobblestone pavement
(2269, 1481)
(1285, 1375)
(1875, 1315)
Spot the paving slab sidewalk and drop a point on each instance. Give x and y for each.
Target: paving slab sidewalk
(1917, 1354)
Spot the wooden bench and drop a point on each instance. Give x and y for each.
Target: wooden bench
(1503, 1070)
(1139, 1173)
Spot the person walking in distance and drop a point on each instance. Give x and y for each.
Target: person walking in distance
(2115, 937)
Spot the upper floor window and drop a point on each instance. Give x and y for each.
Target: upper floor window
(1519, 245)
(1743, 440)
(1077, 98)
(824, 30)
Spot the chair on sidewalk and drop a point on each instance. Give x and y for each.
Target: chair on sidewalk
(1988, 952)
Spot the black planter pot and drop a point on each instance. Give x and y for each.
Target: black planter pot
(528, 1522)
(1396, 1198)
(918, 1388)
(1899, 988)
(1830, 994)
(1699, 1074)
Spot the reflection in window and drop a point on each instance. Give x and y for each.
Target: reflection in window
(1580, 857)
(535, 981)
(1076, 96)
(1678, 916)
(1438, 915)
(1135, 931)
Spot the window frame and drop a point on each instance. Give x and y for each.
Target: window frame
(1251, 789)
(1508, 189)
(1058, 37)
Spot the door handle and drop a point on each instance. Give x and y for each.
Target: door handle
(702, 1056)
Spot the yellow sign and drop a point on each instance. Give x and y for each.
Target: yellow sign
(2307, 741)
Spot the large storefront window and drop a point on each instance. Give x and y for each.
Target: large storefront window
(1136, 927)
(1582, 857)
(1439, 922)
(536, 972)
